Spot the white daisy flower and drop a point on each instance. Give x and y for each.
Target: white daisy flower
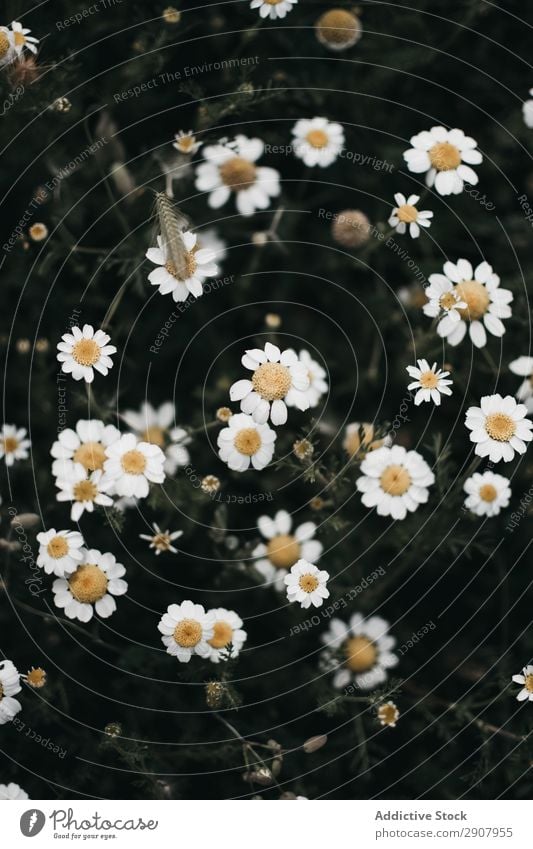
(307, 584)
(431, 382)
(160, 540)
(91, 587)
(273, 8)
(82, 351)
(21, 39)
(499, 428)
(156, 427)
(198, 264)
(227, 628)
(277, 377)
(487, 493)
(60, 552)
(230, 168)
(244, 441)
(9, 687)
(186, 630)
(283, 547)
(84, 491)
(317, 141)
(13, 444)
(185, 142)
(12, 791)
(318, 384)
(358, 652)
(446, 156)
(86, 444)
(132, 465)
(526, 679)
(523, 366)
(395, 481)
(405, 214)
(527, 111)
(211, 241)
(7, 47)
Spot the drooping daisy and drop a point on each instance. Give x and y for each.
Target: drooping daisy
(13, 444)
(131, 466)
(395, 481)
(317, 141)
(318, 384)
(84, 491)
(273, 8)
(306, 584)
(487, 493)
(160, 540)
(526, 679)
(277, 377)
(284, 547)
(527, 111)
(358, 652)
(83, 351)
(388, 714)
(499, 427)
(431, 382)
(86, 444)
(186, 630)
(7, 47)
(360, 437)
(91, 587)
(155, 426)
(60, 552)
(227, 630)
(244, 442)
(442, 154)
(523, 366)
(21, 39)
(405, 214)
(9, 687)
(198, 264)
(12, 791)
(230, 169)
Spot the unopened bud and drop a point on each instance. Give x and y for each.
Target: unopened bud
(315, 743)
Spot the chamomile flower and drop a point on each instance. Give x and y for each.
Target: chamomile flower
(487, 493)
(273, 8)
(358, 652)
(527, 111)
(526, 680)
(92, 587)
(317, 141)
(230, 169)
(278, 377)
(157, 427)
(7, 47)
(499, 428)
(442, 299)
(227, 630)
(21, 39)
(83, 490)
(60, 552)
(12, 792)
(198, 264)
(86, 445)
(186, 630)
(523, 366)
(445, 156)
(284, 547)
(131, 466)
(306, 584)
(83, 351)
(185, 142)
(9, 687)
(244, 442)
(394, 481)
(405, 215)
(431, 382)
(388, 714)
(13, 444)
(318, 384)
(161, 541)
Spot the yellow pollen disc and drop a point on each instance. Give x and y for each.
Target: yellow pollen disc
(308, 583)
(272, 2)
(10, 444)
(237, 173)
(338, 27)
(488, 492)
(36, 678)
(86, 352)
(91, 455)
(388, 714)
(222, 636)
(395, 480)
(500, 427)
(190, 266)
(4, 44)
(407, 213)
(88, 583)
(161, 542)
(444, 156)
(283, 551)
(38, 232)
(19, 39)
(248, 441)
(476, 296)
(133, 462)
(57, 547)
(188, 633)
(429, 380)
(272, 381)
(317, 138)
(528, 683)
(85, 491)
(155, 435)
(186, 143)
(447, 301)
(360, 654)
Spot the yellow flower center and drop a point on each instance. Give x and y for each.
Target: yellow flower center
(407, 213)
(444, 156)
(186, 143)
(222, 636)
(272, 381)
(272, 2)
(476, 296)
(85, 491)
(4, 45)
(20, 38)
(10, 444)
(500, 427)
(188, 633)
(133, 462)
(360, 653)
(88, 583)
(57, 547)
(283, 551)
(38, 232)
(388, 714)
(36, 678)
(308, 583)
(528, 683)
(161, 541)
(91, 455)
(338, 27)
(190, 266)
(395, 480)
(488, 492)
(155, 435)
(448, 300)
(429, 380)
(248, 441)
(317, 138)
(237, 173)
(86, 352)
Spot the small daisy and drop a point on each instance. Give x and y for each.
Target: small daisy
(35, 678)
(132, 465)
(82, 351)
(317, 141)
(395, 481)
(284, 547)
(307, 584)
(84, 491)
(86, 445)
(499, 428)
(360, 438)
(406, 214)
(38, 232)
(358, 652)
(9, 687)
(487, 493)
(318, 384)
(227, 629)
(7, 47)
(442, 154)
(277, 378)
(21, 39)
(186, 630)
(12, 791)
(91, 587)
(527, 111)
(523, 366)
(230, 168)
(244, 442)
(162, 541)
(388, 714)
(186, 143)
(60, 552)
(198, 264)
(273, 8)
(155, 426)
(13, 444)
(431, 382)
(526, 679)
